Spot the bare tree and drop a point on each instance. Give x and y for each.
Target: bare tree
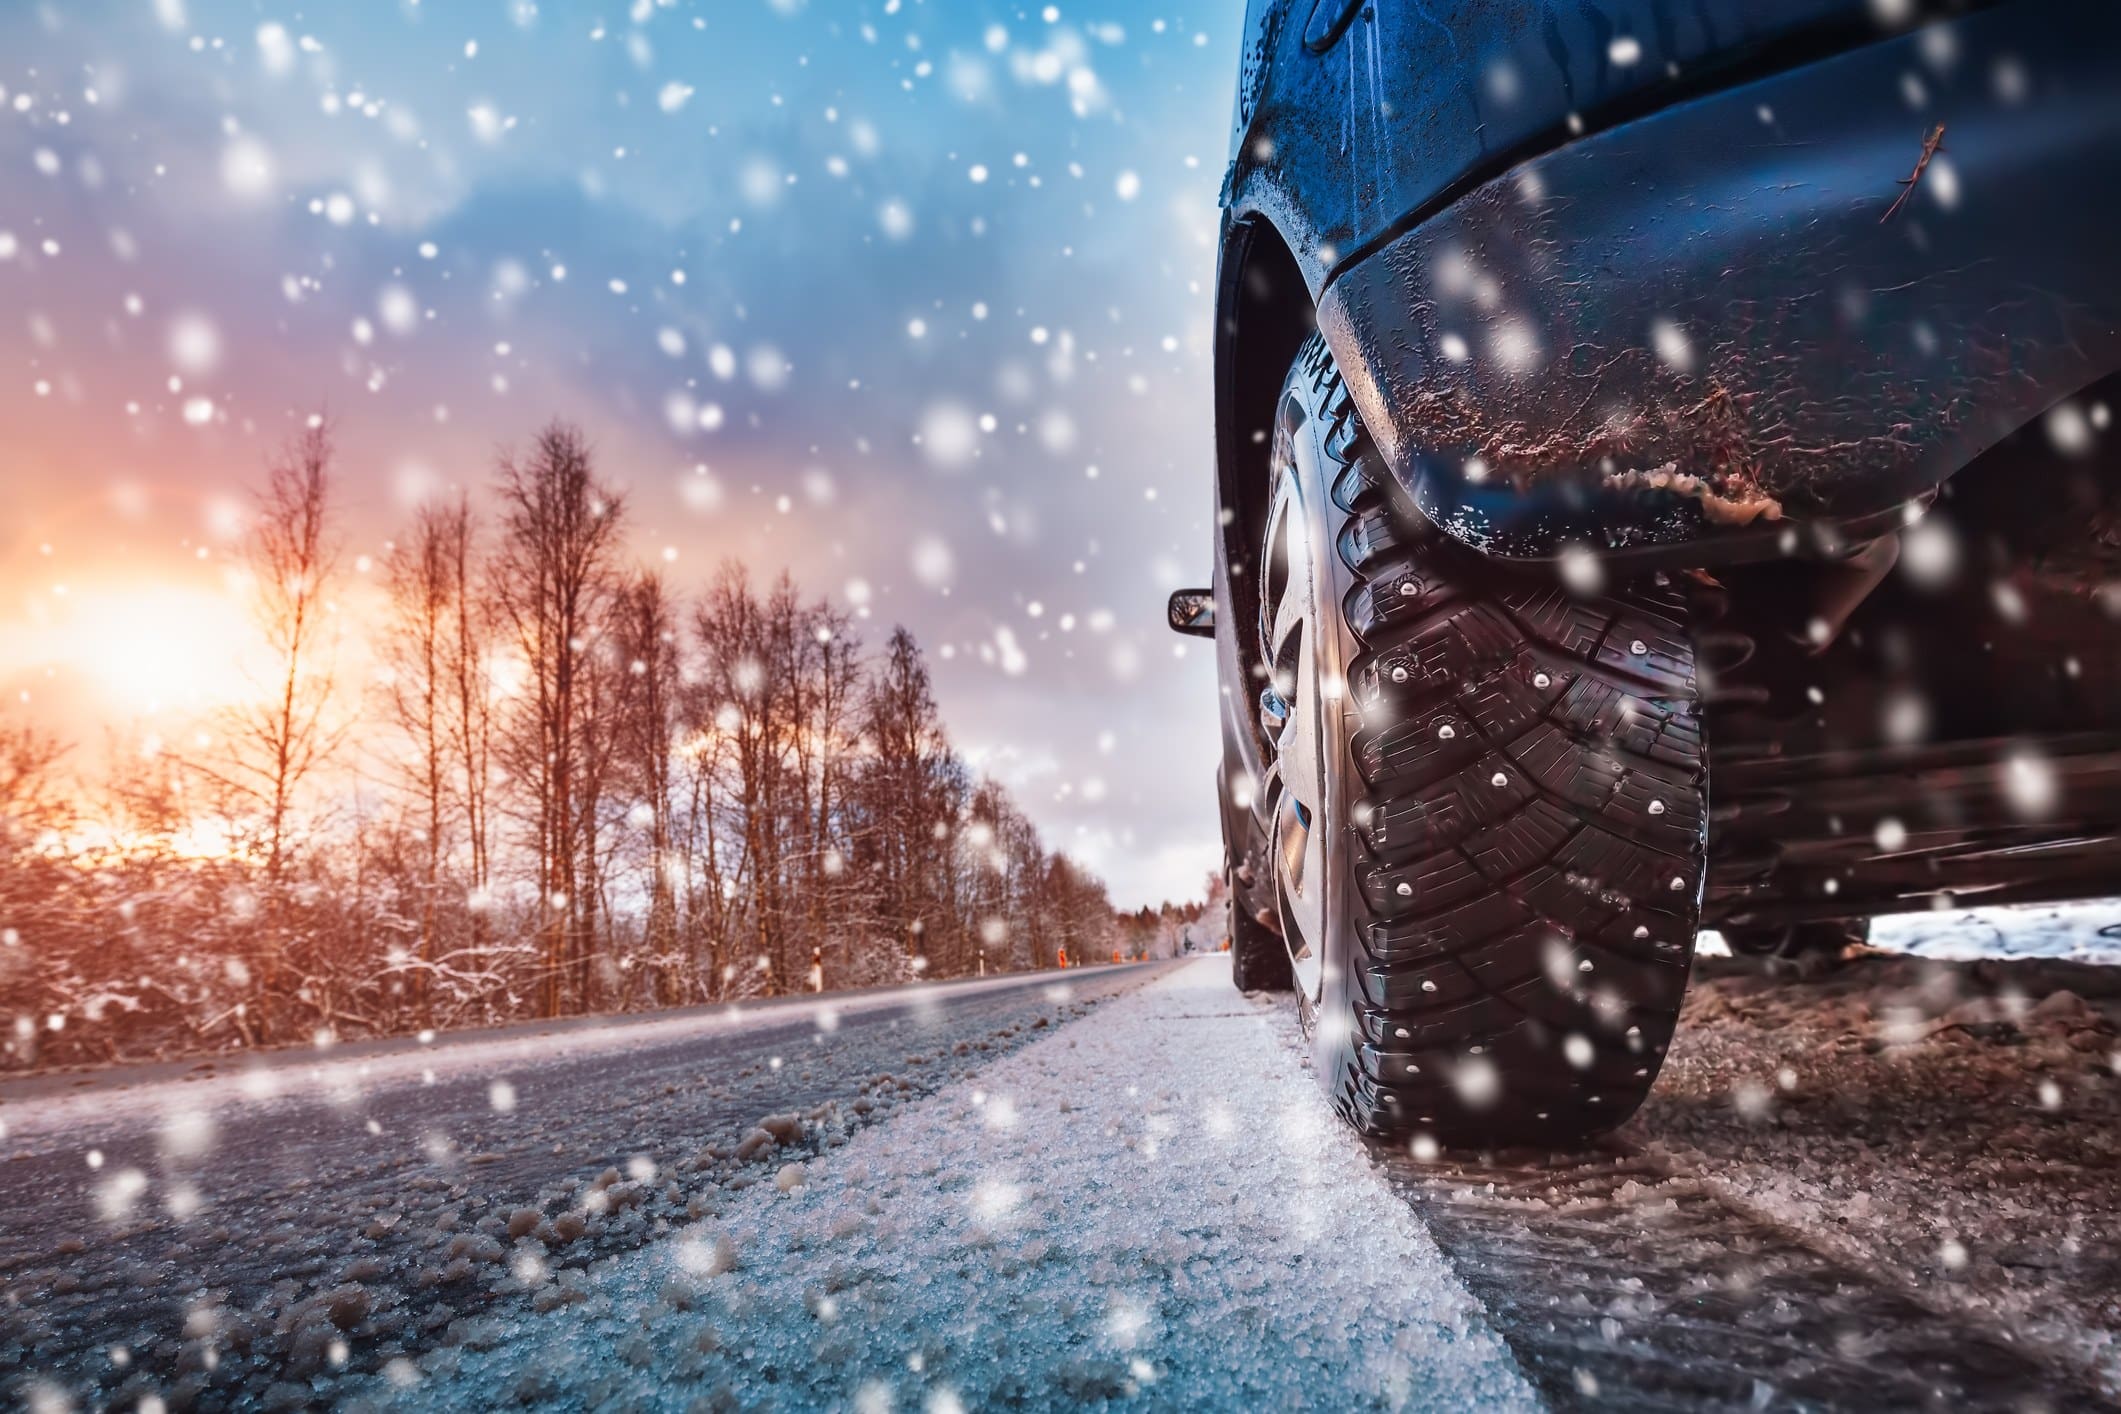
(293, 555)
(768, 718)
(907, 801)
(648, 641)
(601, 683)
(740, 697)
(828, 677)
(33, 797)
(417, 645)
(273, 746)
(40, 890)
(552, 581)
(470, 687)
(439, 694)
(702, 757)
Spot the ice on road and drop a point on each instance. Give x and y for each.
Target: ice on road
(1150, 1203)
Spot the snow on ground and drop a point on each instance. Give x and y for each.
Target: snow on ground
(2083, 932)
(976, 1199)
(1953, 1127)
(1150, 1205)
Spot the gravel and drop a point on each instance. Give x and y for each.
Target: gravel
(1953, 1128)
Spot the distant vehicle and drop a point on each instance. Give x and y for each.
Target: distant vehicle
(1665, 478)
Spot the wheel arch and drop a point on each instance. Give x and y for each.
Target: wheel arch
(1263, 314)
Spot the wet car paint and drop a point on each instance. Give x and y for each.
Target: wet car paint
(1678, 334)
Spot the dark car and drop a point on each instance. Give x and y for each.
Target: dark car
(1665, 480)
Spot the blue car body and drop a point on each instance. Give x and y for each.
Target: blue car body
(1675, 281)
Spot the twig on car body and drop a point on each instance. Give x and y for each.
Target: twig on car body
(1931, 146)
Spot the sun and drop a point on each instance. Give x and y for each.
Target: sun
(146, 648)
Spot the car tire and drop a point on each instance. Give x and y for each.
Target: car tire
(1486, 805)
(1258, 960)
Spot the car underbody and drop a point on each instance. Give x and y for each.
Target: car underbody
(1954, 735)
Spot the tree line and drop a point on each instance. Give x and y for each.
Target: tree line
(572, 788)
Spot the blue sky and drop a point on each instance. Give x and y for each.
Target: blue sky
(910, 298)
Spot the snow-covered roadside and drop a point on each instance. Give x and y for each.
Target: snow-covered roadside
(1151, 1204)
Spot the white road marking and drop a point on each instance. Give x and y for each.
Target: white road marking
(133, 1097)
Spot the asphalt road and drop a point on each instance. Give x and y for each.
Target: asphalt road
(1894, 1186)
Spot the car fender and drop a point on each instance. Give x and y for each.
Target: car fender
(1799, 302)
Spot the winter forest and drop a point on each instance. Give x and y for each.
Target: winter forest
(568, 785)
(669, 362)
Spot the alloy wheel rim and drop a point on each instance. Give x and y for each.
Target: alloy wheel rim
(1295, 704)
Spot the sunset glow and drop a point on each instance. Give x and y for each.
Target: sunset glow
(792, 303)
(142, 649)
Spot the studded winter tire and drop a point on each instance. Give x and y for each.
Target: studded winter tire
(1485, 799)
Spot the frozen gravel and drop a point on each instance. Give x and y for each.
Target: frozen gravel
(1149, 1207)
(1954, 1129)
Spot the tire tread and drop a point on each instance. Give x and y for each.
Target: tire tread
(1499, 921)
